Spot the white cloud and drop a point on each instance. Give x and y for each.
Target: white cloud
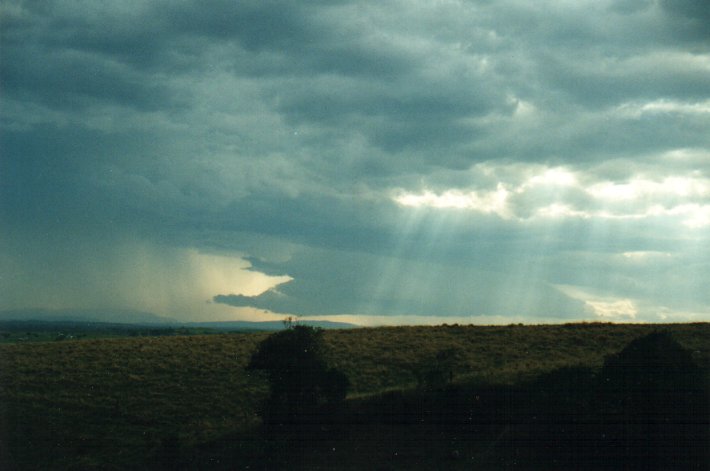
(603, 307)
(617, 310)
(638, 188)
(694, 216)
(559, 210)
(527, 192)
(645, 255)
(555, 176)
(492, 202)
(637, 110)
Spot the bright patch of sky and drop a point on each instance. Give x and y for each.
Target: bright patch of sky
(556, 192)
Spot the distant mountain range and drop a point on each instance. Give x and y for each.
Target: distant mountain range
(149, 319)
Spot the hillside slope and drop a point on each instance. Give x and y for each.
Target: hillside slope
(87, 403)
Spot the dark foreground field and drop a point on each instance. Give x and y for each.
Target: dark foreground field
(448, 397)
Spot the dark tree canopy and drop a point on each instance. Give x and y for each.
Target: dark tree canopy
(653, 401)
(294, 362)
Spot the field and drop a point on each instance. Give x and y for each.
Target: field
(135, 402)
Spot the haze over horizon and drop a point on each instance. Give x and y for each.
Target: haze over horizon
(371, 162)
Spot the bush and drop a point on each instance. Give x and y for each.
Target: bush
(293, 361)
(653, 404)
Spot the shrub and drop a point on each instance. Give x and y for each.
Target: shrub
(653, 404)
(294, 363)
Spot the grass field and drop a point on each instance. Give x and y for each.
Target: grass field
(114, 403)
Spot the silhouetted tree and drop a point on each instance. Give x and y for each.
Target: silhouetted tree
(294, 363)
(653, 405)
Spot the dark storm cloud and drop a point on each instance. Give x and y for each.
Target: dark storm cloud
(367, 81)
(689, 19)
(74, 79)
(219, 125)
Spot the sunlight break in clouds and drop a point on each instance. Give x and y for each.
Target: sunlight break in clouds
(637, 188)
(603, 307)
(618, 310)
(642, 255)
(637, 110)
(636, 198)
(486, 202)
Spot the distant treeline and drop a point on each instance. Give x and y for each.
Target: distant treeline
(36, 331)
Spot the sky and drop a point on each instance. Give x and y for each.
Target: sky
(378, 162)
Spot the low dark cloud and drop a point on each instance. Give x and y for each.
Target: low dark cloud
(689, 19)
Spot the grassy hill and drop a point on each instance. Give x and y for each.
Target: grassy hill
(116, 403)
